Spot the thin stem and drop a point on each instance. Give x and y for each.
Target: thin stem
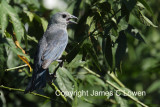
(90, 71)
(21, 90)
(108, 82)
(52, 85)
(116, 79)
(16, 67)
(134, 99)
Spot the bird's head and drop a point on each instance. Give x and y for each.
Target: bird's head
(63, 18)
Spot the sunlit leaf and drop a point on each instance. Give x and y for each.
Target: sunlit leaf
(11, 45)
(122, 102)
(32, 38)
(94, 80)
(76, 62)
(63, 81)
(90, 23)
(44, 24)
(17, 25)
(38, 18)
(146, 5)
(30, 15)
(3, 18)
(19, 51)
(41, 21)
(146, 21)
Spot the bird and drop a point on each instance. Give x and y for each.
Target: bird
(50, 48)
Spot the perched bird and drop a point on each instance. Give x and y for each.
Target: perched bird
(50, 48)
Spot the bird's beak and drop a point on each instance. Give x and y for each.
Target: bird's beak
(72, 17)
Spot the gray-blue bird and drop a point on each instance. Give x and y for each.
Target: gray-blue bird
(50, 48)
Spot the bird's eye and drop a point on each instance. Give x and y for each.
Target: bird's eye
(64, 16)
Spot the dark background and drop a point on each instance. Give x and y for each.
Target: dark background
(115, 42)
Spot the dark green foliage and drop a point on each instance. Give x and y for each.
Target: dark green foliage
(121, 49)
(108, 50)
(111, 36)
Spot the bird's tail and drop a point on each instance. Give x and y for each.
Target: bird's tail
(38, 80)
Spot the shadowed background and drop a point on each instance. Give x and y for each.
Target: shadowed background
(121, 36)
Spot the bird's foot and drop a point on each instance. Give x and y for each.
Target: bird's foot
(60, 62)
(52, 76)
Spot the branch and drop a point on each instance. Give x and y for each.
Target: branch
(52, 85)
(114, 86)
(116, 79)
(131, 97)
(16, 67)
(90, 71)
(21, 90)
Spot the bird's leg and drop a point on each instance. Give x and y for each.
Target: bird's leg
(49, 76)
(53, 75)
(60, 62)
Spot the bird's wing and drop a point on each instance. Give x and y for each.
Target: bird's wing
(57, 42)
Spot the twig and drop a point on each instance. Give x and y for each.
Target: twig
(21, 90)
(137, 101)
(108, 82)
(52, 85)
(116, 79)
(16, 67)
(90, 71)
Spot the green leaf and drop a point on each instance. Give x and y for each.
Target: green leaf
(92, 54)
(9, 42)
(130, 92)
(146, 5)
(17, 25)
(38, 18)
(122, 102)
(154, 86)
(94, 80)
(95, 44)
(146, 21)
(76, 62)
(108, 51)
(64, 82)
(134, 32)
(32, 38)
(90, 23)
(121, 49)
(69, 75)
(44, 24)
(42, 21)
(30, 15)
(122, 24)
(3, 18)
